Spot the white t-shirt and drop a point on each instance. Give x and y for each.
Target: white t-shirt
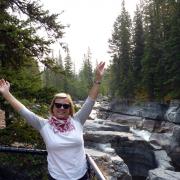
(66, 155)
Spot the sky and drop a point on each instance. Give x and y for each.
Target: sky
(91, 24)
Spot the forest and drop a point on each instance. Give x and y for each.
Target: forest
(144, 64)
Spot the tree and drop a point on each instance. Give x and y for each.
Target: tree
(153, 49)
(171, 47)
(19, 38)
(86, 75)
(54, 77)
(87, 72)
(120, 45)
(68, 65)
(138, 48)
(70, 77)
(161, 56)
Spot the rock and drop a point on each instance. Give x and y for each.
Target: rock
(170, 142)
(91, 126)
(105, 125)
(161, 174)
(136, 152)
(162, 139)
(163, 160)
(173, 112)
(175, 146)
(113, 167)
(106, 136)
(154, 110)
(118, 127)
(131, 121)
(148, 124)
(115, 136)
(149, 110)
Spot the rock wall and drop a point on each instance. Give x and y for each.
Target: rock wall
(149, 110)
(147, 158)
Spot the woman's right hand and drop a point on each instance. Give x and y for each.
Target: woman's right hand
(4, 86)
(4, 90)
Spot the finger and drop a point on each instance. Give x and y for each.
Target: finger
(7, 83)
(2, 81)
(102, 65)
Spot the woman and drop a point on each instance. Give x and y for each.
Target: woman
(63, 132)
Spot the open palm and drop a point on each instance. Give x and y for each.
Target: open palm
(100, 71)
(4, 86)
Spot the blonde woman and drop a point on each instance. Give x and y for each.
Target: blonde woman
(63, 131)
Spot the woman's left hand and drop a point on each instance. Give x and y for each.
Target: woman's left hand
(100, 71)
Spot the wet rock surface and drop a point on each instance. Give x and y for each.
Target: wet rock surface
(149, 110)
(145, 148)
(112, 166)
(161, 174)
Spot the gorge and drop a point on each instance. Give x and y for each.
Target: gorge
(137, 143)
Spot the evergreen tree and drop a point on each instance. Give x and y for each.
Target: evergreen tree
(69, 75)
(120, 45)
(161, 56)
(68, 65)
(87, 69)
(171, 47)
(153, 50)
(19, 39)
(54, 77)
(86, 74)
(138, 48)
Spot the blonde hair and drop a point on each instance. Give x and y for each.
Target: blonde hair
(62, 96)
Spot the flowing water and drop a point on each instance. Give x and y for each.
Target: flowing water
(141, 133)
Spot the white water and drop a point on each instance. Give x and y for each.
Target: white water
(105, 147)
(141, 133)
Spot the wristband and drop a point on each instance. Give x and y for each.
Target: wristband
(97, 82)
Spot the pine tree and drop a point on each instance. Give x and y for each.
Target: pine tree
(138, 48)
(87, 69)
(68, 65)
(171, 49)
(120, 45)
(69, 75)
(19, 39)
(86, 74)
(153, 50)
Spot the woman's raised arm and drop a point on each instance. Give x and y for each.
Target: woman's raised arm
(5, 91)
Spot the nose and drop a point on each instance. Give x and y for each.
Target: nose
(61, 107)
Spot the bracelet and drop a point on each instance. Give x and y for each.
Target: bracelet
(97, 82)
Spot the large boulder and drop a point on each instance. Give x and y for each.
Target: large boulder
(112, 166)
(100, 125)
(161, 174)
(173, 112)
(163, 160)
(169, 141)
(150, 110)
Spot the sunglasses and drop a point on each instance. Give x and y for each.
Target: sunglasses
(59, 105)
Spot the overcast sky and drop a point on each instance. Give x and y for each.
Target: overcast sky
(91, 23)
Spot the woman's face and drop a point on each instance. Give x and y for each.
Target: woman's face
(61, 108)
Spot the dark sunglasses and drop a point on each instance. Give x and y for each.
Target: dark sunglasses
(59, 105)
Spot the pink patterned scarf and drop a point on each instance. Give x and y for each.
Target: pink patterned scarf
(61, 125)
